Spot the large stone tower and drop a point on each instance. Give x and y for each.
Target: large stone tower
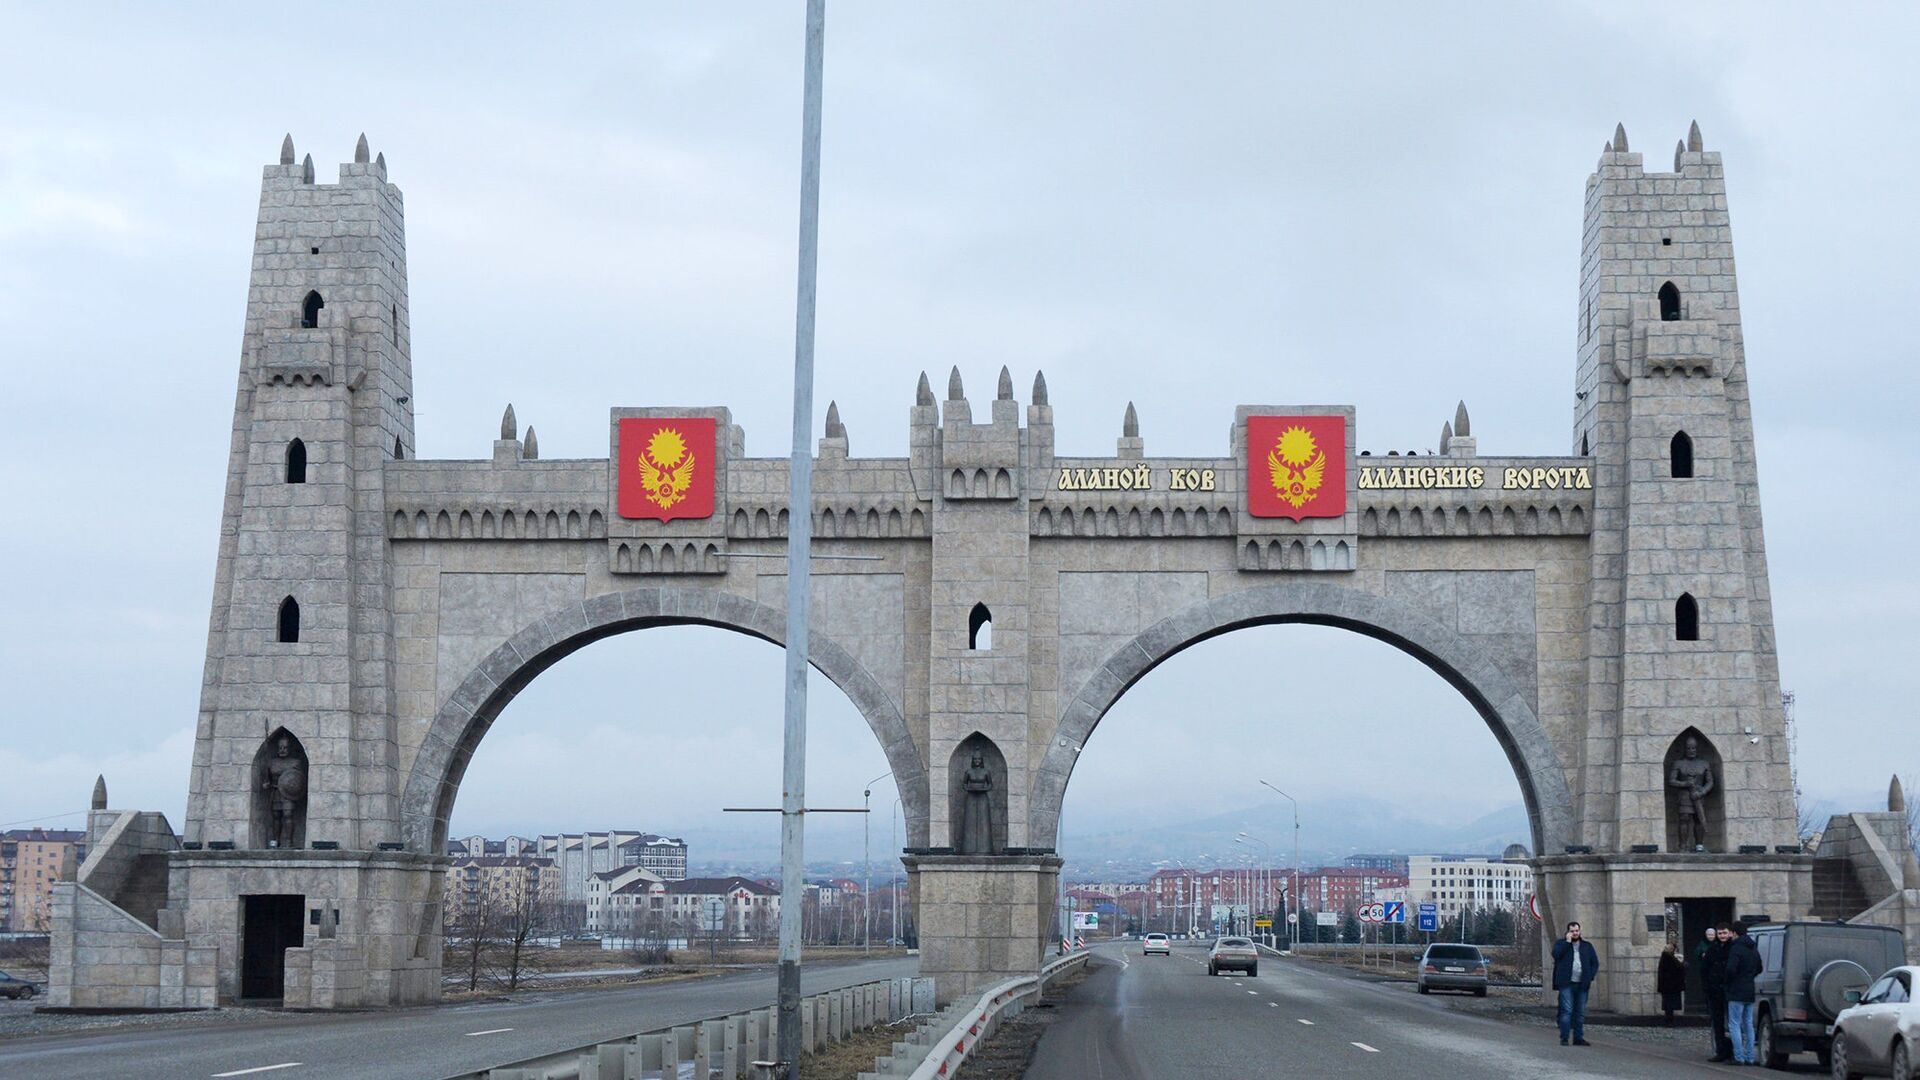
(300, 592)
(1681, 621)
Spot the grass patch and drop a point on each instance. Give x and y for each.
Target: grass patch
(847, 1059)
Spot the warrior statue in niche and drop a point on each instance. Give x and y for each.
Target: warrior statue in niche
(1693, 776)
(285, 782)
(976, 822)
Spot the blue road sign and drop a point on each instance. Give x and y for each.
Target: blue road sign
(1429, 918)
(1393, 911)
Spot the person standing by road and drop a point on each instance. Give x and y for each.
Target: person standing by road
(1743, 966)
(1575, 963)
(1713, 979)
(1672, 982)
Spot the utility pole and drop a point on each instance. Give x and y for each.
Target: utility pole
(799, 541)
(866, 848)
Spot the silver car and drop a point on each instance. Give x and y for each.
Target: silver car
(1156, 943)
(1879, 1035)
(1233, 954)
(1452, 967)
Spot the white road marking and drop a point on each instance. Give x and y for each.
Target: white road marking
(1309, 1023)
(1253, 991)
(1275, 1004)
(1367, 1048)
(261, 1068)
(489, 1031)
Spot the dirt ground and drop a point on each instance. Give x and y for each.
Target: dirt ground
(1005, 1055)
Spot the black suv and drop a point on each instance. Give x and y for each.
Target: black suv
(1807, 969)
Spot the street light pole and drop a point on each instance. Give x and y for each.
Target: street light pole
(1293, 893)
(866, 855)
(793, 799)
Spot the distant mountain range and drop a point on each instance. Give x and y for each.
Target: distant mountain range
(1329, 832)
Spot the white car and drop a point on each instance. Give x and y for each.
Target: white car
(1156, 943)
(1879, 1035)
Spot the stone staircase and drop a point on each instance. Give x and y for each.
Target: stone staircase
(1837, 893)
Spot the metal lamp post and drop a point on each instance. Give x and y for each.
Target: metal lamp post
(1293, 893)
(1266, 884)
(793, 799)
(866, 854)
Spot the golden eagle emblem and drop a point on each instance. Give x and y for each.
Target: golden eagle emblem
(1297, 465)
(666, 468)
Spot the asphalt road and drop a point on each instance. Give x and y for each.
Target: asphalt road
(413, 1043)
(1151, 1017)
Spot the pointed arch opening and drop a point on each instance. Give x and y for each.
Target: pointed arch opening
(296, 462)
(1681, 454)
(279, 811)
(1686, 618)
(1669, 302)
(1692, 776)
(980, 628)
(289, 620)
(310, 310)
(977, 812)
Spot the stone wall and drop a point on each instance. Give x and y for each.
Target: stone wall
(127, 864)
(104, 958)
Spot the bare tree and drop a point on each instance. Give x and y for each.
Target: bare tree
(648, 933)
(533, 915)
(469, 935)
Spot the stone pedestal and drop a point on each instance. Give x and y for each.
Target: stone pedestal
(1613, 895)
(983, 918)
(380, 910)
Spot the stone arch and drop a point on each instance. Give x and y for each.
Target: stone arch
(1502, 702)
(433, 780)
(310, 310)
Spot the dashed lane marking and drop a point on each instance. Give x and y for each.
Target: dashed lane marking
(1253, 991)
(1274, 1004)
(260, 1069)
(1368, 1049)
(1309, 1023)
(489, 1031)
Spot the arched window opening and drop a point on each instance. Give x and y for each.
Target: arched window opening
(1686, 618)
(289, 620)
(977, 777)
(399, 450)
(393, 321)
(279, 817)
(310, 310)
(1682, 456)
(1693, 778)
(1584, 450)
(296, 462)
(980, 628)
(1669, 302)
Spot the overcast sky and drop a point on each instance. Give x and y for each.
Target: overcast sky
(1187, 205)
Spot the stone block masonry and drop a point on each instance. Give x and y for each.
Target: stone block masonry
(1598, 608)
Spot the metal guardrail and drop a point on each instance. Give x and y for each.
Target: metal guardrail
(726, 1046)
(977, 1021)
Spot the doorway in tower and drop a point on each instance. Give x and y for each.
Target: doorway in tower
(1696, 914)
(270, 924)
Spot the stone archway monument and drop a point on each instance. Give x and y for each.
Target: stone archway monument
(376, 611)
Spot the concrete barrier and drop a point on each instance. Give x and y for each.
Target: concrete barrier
(722, 1046)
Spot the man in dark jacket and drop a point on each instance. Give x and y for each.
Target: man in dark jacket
(1575, 963)
(1713, 980)
(1743, 966)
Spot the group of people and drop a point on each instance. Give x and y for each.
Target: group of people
(1728, 962)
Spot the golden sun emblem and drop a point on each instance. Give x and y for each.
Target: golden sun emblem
(1297, 465)
(666, 469)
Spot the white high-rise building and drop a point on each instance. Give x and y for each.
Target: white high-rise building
(1463, 882)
